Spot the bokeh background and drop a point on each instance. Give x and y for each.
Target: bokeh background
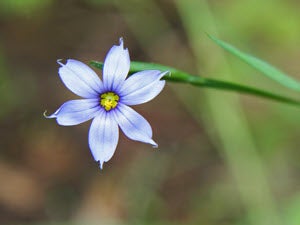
(223, 158)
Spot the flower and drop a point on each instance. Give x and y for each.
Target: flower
(107, 102)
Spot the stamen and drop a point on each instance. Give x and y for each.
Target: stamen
(109, 100)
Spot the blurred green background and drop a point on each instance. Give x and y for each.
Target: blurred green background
(223, 158)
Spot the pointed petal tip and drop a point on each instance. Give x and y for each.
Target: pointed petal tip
(164, 73)
(49, 117)
(167, 73)
(121, 42)
(45, 114)
(153, 143)
(101, 165)
(59, 62)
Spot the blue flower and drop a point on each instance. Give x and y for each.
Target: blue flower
(107, 102)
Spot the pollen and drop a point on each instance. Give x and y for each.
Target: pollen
(109, 100)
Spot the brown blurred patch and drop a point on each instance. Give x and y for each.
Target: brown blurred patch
(49, 157)
(20, 190)
(103, 200)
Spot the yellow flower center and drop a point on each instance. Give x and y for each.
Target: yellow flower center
(109, 100)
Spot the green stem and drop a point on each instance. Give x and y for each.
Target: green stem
(183, 77)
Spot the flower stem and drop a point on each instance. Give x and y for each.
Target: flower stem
(176, 75)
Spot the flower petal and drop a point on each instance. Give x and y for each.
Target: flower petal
(103, 137)
(116, 66)
(80, 79)
(142, 87)
(144, 95)
(76, 111)
(133, 124)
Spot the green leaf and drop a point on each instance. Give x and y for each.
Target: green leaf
(183, 77)
(260, 65)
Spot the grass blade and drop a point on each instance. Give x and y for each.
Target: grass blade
(260, 65)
